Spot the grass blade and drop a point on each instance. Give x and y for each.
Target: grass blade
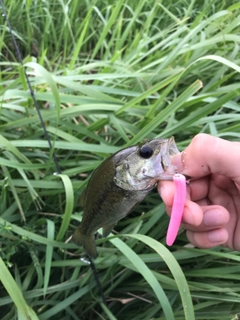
(147, 274)
(49, 252)
(10, 285)
(176, 272)
(164, 114)
(68, 208)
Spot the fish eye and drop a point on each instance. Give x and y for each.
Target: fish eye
(146, 152)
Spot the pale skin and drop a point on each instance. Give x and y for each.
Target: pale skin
(212, 210)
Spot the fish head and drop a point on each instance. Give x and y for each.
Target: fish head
(143, 165)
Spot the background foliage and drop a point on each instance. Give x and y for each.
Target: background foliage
(108, 74)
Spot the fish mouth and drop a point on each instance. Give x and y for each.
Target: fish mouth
(165, 170)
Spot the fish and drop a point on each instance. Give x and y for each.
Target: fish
(118, 184)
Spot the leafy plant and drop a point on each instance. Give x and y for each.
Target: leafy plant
(108, 74)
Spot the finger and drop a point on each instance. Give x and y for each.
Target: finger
(196, 190)
(213, 217)
(166, 190)
(192, 214)
(208, 239)
(207, 154)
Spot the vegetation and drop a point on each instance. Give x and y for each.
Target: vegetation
(108, 74)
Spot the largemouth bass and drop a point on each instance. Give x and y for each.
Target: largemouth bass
(118, 184)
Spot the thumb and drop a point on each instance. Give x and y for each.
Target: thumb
(206, 155)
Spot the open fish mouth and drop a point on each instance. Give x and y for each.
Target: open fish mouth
(165, 170)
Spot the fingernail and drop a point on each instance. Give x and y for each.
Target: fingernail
(218, 236)
(177, 161)
(213, 218)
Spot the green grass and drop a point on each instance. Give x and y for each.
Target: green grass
(108, 74)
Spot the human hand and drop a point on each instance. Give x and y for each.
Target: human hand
(212, 209)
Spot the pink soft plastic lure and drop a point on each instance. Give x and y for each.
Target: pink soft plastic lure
(177, 209)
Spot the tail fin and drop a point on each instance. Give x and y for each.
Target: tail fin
(88, 242)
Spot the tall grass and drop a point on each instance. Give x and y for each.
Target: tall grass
(108, 74)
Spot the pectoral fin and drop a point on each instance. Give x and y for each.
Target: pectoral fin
(107, 229)
(87, 241)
